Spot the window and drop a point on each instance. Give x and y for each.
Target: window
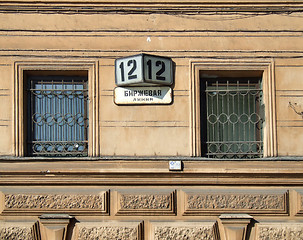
(231, 117)
(57, 115)
(69, 76)
(233, 109)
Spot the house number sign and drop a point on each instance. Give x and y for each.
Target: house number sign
(143, 70)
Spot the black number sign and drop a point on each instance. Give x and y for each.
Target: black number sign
(131, 71)
(159, 72)
(130, 74)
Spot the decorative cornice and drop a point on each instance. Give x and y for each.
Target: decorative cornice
(151, 172)
(147, 7)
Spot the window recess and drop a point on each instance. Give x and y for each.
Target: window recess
(59, 83)
(233, 113)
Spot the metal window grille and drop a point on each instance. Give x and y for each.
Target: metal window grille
(58, 116)
(232, 117)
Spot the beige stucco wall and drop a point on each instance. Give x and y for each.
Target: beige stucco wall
(154, 130)
(126, 190)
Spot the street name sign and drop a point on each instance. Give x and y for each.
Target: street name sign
(142, 95)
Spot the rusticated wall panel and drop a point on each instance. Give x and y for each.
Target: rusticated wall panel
(109, 231)
(278, 231)
(299, 201)
(67, 203)
(16, 231)
(257, 203)
(183, 230)
(153, 203)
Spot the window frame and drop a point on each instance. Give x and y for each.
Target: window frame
(20, 124)
(268, 82)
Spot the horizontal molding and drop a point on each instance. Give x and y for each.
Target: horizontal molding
(289, 124)
(11, 50)
(151, 171)
(184, 33)
(159, 123)
(290, 93)
(85, 54)
(145, 7)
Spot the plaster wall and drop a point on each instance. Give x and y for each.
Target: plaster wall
(125, 189)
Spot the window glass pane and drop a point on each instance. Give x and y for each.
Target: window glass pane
(231, 117)
(58, 122)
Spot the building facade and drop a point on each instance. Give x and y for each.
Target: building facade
(210, 150)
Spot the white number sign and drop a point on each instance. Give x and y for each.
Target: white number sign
(144, 70)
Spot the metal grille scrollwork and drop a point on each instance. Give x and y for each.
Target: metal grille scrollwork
(233, 118)
(58, 113)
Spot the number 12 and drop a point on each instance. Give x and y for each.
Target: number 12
(130, 74)
(160, 71)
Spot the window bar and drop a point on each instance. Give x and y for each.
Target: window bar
(228, 116)
(221, 118)
(73, 126)
(45, 129)
(40, 103)
(217, 112)
(77, 113)
(32, 124)
(44, 126)
(238, 112)
(45, 114)
(56, 100)
(260, 121)
(52, 111)
(207, 122)
(74, 100)
(214, 124)
(67, 128)
(33, 128)
(246, 134)
(65, 101)
(61, 115)
(251, 137)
